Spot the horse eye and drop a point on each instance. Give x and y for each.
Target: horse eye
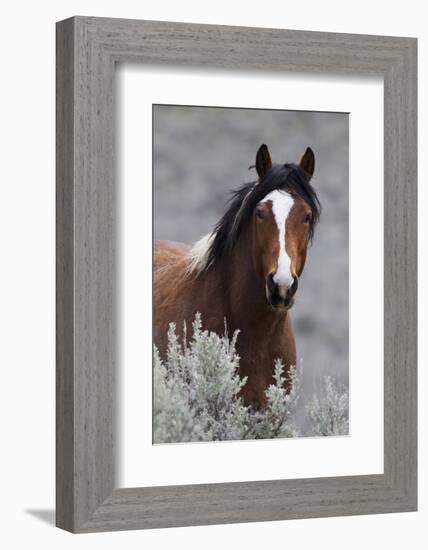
(308, 218)
(259, 213)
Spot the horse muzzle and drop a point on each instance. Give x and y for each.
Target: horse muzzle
(278, 297)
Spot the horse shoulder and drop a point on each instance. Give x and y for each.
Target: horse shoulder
(171, 286)
(168, 253)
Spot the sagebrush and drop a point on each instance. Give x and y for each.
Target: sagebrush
(328, 409)
(196, 395)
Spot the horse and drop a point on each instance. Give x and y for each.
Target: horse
(245, 273)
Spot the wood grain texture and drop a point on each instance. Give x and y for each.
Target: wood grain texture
(64, 278)
(87, 50)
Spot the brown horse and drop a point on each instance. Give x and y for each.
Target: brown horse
(246, 271)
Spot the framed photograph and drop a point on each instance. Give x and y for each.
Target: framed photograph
(236, 274)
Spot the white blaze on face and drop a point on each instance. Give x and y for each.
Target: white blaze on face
(282, 203)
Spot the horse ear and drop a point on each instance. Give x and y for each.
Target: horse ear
(263, 161)
(307, 162)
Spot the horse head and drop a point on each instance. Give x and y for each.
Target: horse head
(283, 222)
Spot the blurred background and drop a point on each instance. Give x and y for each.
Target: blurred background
(201, 153)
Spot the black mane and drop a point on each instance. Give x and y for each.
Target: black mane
(286, 177)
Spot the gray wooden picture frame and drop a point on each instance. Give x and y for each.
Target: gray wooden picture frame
(87, 51)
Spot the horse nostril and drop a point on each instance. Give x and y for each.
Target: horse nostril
(270, 282)
(293, 287)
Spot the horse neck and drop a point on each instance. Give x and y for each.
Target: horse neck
(244, 293)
